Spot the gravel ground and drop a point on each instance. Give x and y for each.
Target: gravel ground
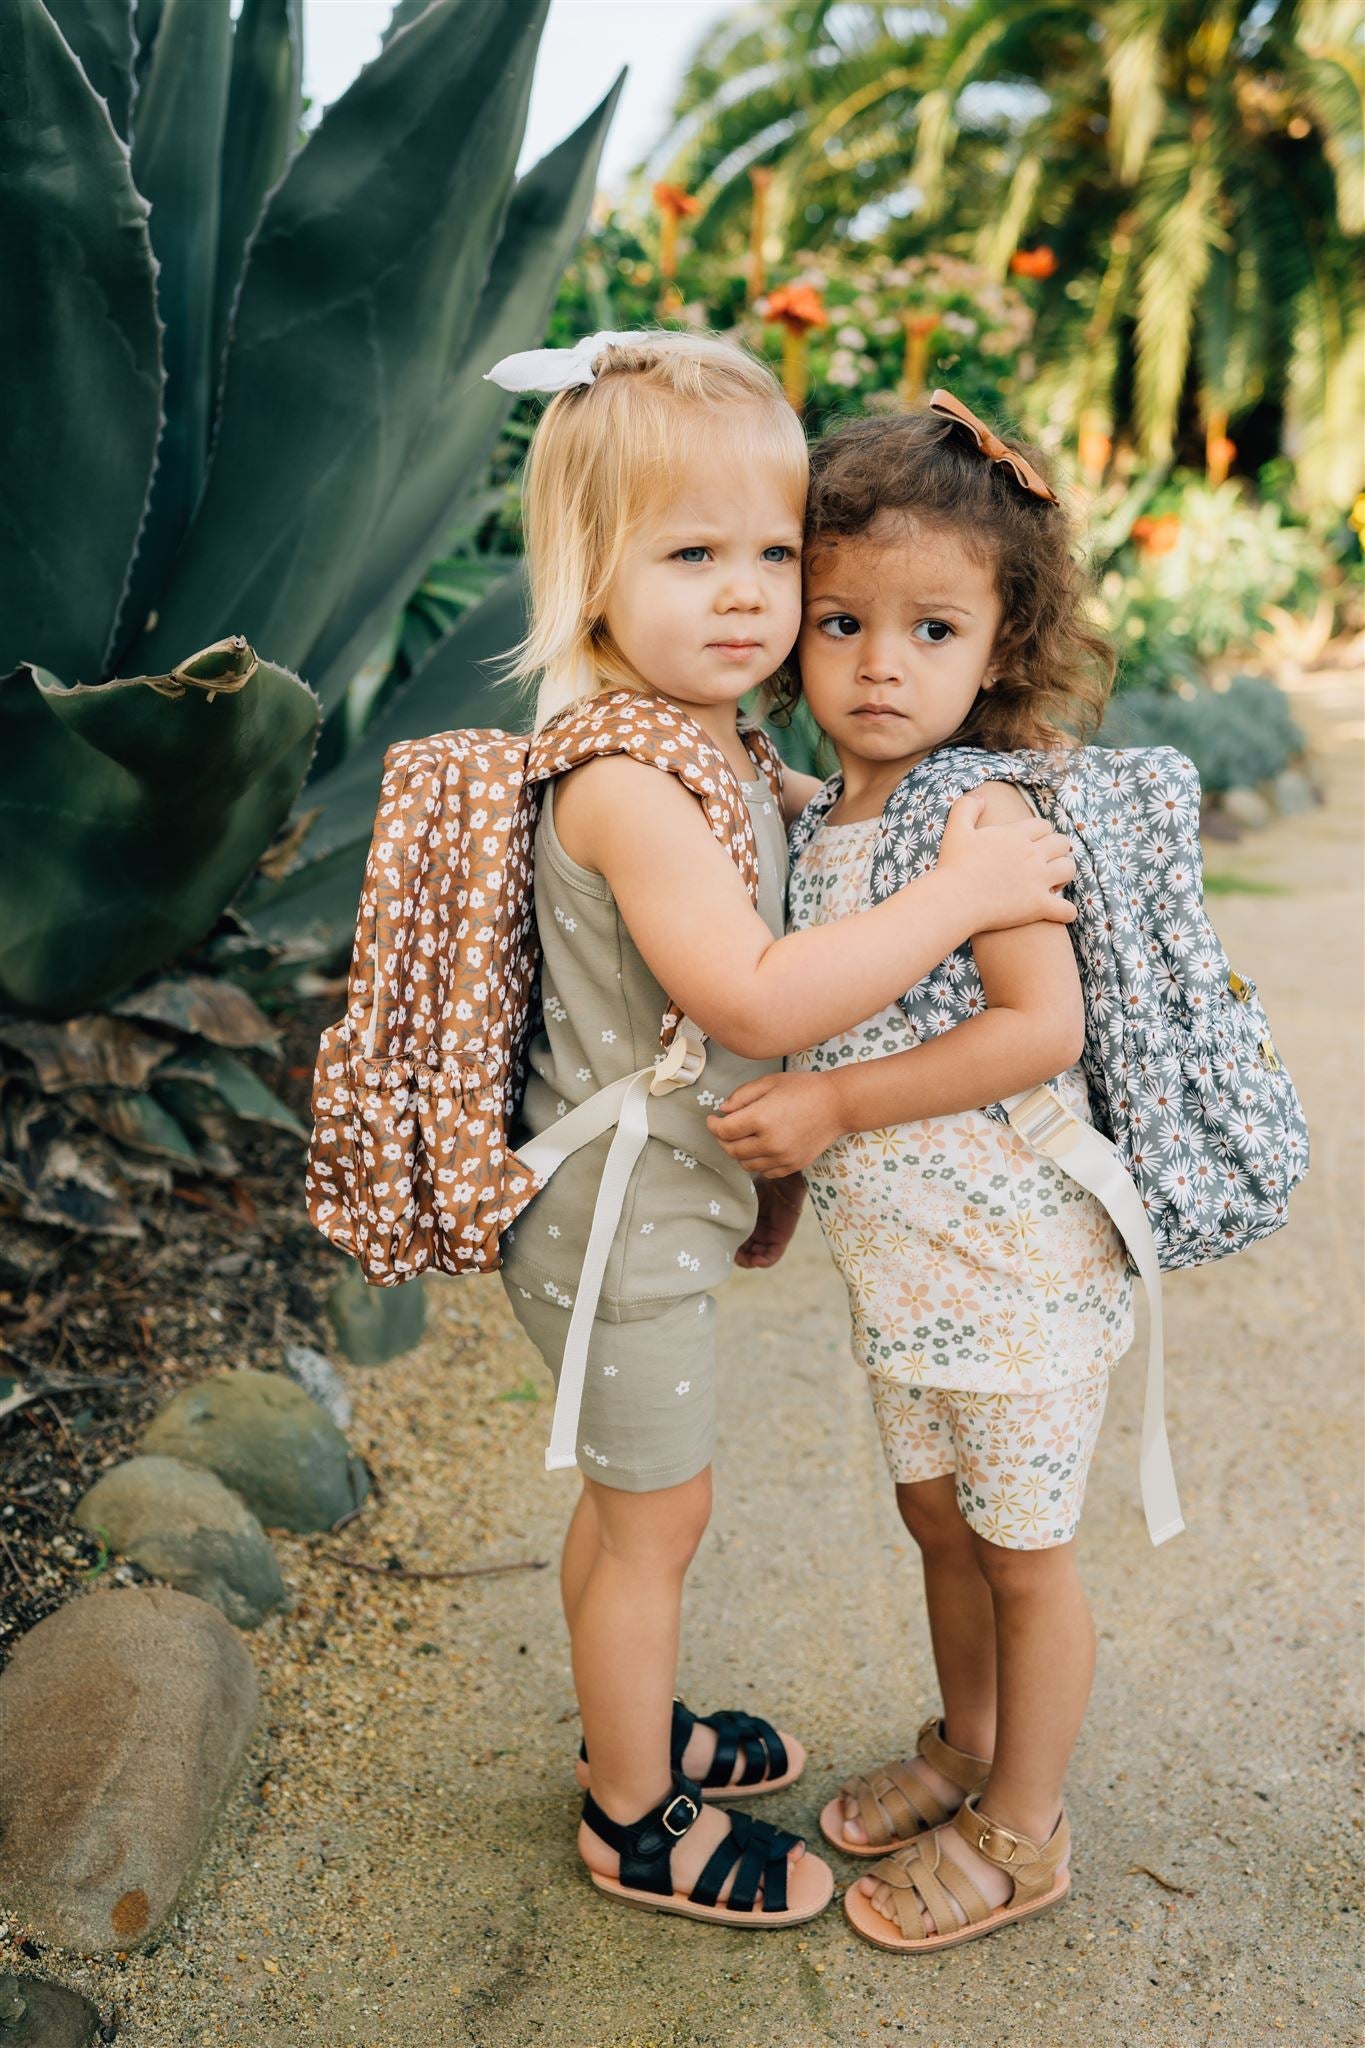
(397, 1870)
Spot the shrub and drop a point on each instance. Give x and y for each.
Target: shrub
(1235, 737)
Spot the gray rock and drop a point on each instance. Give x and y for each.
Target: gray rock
(268, 1440)
(1247, 807)
(181, 1523)
(36, 2014)
(317, 1375)
(375, 1324)
(124, 1718)
(1293, 792)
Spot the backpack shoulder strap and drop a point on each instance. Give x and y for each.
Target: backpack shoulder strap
(660, 735)
(765, 757)
(817, 810)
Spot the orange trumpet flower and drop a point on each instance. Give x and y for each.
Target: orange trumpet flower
(674, 204)
(796, 308)
(1040, 262)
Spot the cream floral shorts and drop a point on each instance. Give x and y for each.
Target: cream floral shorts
(1020, 1460)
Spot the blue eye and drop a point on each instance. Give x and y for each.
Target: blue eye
(834, 626)
(779, 554)
(938, 628)
(697, 554)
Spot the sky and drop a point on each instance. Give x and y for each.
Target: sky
(584, 45)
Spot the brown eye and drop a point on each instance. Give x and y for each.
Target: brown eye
(839, 626)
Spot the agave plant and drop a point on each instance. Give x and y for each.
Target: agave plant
(251, 370)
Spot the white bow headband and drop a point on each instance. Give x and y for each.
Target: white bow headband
(556, 369)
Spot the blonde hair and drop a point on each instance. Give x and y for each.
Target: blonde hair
(607, 455)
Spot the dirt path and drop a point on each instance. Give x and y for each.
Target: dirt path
(398, 1870)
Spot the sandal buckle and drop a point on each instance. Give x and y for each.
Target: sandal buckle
(680, 1799)
(989, 1828)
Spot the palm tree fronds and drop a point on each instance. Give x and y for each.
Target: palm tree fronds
(1173, 268)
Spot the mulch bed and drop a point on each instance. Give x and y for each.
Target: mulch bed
(225, 1274)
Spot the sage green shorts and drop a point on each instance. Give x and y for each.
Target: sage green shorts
(649, 1395)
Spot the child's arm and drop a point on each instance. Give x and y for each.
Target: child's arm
(1033, 1028)
(690, 915)
(779, 1212)
(797, 791)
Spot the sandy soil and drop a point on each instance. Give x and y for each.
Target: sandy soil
(397, 1870)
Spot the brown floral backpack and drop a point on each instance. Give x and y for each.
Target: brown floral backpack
(409, 1168)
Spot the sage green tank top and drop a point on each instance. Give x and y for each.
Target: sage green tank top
(689, 1205)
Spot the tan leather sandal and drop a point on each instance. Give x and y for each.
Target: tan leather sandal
(927, 1883)
(894, 1803)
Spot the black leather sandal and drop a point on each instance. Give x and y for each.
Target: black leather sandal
(771, 1760)
(756, 1851)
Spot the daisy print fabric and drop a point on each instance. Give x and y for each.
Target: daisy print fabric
(1181, 1068)
(971, 1262)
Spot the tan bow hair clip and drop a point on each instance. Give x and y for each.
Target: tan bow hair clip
(991, 445)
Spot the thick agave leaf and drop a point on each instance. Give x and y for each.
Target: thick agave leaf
(139, 1121)
(313, 908)
(54, 1173)
(177, 146)
(146, 23)
(128, 818)
(85, 1052)
(79, 338)
(363, 276)
(221, 1082)
(544, 221)
(262, 133)
(205, 1005)
(101, 34)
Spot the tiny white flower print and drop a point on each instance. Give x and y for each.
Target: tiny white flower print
(584, 1074)
(564, 921)
(702, 1305)
(608, 1038)
(556, 1009)
(561, 1109)
(688, 1263)
(557, 1295)
(708, 1100)
(609, 1372)
(684, 1158)
(683, 1387)
(646, 1230)
(714, 1208)
(552, 1229)
(525, 1293)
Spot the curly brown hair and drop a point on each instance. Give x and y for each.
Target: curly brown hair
(1054, 669)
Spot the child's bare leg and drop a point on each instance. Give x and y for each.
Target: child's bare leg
(1045, 1647)
(625, 1660)
(1045, 1663)
(961, 1626)
(582, 1541)
(961, 1619)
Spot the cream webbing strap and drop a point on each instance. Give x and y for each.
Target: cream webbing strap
(1044, 1122)
(625, 1105)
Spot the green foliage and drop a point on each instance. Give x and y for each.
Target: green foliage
(252, 368)
(1192, 179)
(1236, 737)
(857, 363)
(1201, 577)
(98, 1111)
(253, 413)
(132, 813)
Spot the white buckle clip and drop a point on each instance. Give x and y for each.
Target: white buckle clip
(1044, 1121)
(679, 1066)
